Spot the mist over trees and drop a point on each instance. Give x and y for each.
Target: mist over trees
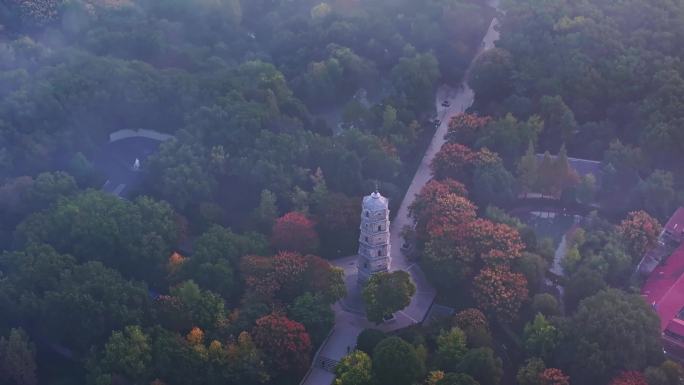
(213, 265)
(212, 270)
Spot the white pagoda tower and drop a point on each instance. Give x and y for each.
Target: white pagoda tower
(374, 242)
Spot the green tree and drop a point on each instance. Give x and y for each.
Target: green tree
(541, 337)
(492, 184)
(658, 193)
(180, 174)
(626, 163)
(395, 362)
(482, 365)
(668, 373)
(127, 353)
(82, 169)
(415, 78)
(264, 216)
(17, 359)
(354, 369)
(545, 304)
(457, 379)
(49, 186)
(216, 255)
(527, 170)
(546, 176)
(314, 313)
(528, 374)
(368, 339)
(587, 188)
(389, 118)
(91, 301)
(508, 136)
(583, 283)
(386, 293)
(565, 175)
(133, 237)
(205, 308)
(246, 362)
(559, 121)
(491, 77)
(451, 347)
(611, 331)
(533, 267)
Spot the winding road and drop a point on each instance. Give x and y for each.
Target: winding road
(349, 322)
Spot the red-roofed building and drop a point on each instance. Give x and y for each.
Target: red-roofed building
(669, 240)
(664, 288)
(674, 228)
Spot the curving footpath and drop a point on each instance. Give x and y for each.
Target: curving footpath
(349, 318)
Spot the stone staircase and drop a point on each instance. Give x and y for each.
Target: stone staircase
(327, 364)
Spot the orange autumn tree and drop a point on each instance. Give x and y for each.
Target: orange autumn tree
(294, 231)
(466, 128)
(428, 195)
(289, 269)
(459, 251)
(195, 336)
(258, 273)
(500, 291)
(284, 341)
(469, 319)
(553, 376)
(453, 160)
(288, 275)
(640, 232)
(629, 378)
(448, 212)
(494, 242)
(440, 205)
(175, 262)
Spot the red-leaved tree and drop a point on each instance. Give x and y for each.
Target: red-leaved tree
(553, 376)
(289, 269)
(423, 204)
(447, 212)
(288, 275)
(465, 128)
(639, 232)
(259, 276)
(295, 232)
(500, 291)
(453, 160)
(465, 248)
(629, 378)
(469, 319)
(494, 242)
(284, 341)
(441, 204)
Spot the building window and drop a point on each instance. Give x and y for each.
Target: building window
(379, 253)
(367, 214)
(379, 228)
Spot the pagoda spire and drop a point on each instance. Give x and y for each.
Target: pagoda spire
(374, 241)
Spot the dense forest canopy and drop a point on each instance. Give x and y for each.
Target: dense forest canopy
(615, 65)
(214, 261)
(282, 113)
